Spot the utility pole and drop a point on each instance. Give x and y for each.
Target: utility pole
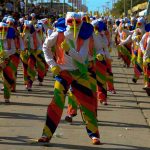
(124, 7)
(26, 3)
(72, 6)
(51, 3)
(131, 5)
(107, 4)
(64, 8)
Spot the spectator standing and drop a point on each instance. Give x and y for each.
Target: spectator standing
(9, 7)
(22, 6)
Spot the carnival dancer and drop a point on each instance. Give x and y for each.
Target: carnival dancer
(7, 48)
(125, 44)
(117, 37)
(24, 55)
(101, 48)
(137, 55)
(40, 60)
(145, 48)
(133, 23)
(15, 57)
(32, 52)
(72, 102)
(67, 71)
(108, 34)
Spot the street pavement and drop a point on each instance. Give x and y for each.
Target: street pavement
(124, 124)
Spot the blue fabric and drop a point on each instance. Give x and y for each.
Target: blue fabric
(117, 23)
(86, 31)
(101, 26)
(147, 27)
(32, 30)
(11, 33)
(60, 25)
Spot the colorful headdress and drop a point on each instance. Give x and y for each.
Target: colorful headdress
(60, 25)
(73, 20)
(147, 27)
(140, 22)
(84, 17)
(10, 21)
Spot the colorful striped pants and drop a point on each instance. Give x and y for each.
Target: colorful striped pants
(24, 58)
(101, 70)
(36, 59)
(109, 76)
(136, 65)
(146, 69)
(15, 58)
(72, 102)
(9, 77)
(83, 93)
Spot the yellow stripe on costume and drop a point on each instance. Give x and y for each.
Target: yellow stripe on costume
(47, 132)
(58, 85)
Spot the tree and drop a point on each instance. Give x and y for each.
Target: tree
(118, 8)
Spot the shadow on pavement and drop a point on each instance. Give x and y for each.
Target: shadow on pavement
(25, 141)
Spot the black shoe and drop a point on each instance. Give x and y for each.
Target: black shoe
(68, 119)
(2, 88)
(134, 80)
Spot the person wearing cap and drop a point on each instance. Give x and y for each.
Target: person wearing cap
(101, 48)
(72, 102)
(145, 48)
(33, 18)
(137, 55)
(133, 23)
(8, 48)
(69, 67)
(16, 56)
(125, 44)
(117, 37)
(28, 56)
(39, 56)
(110, 82)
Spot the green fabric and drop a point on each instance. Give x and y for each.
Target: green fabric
(58, 98)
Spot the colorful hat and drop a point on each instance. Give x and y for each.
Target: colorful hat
(127, 24)
(10, 21)
(33, 15)
(60, 25)
(133, 19)
(95, 22)
(147, 27)
(21, 20)
(86, 31)
(38, 27)
(71, 17)
(4, 19)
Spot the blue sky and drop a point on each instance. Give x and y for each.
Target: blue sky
(97, 5)
(93, 5)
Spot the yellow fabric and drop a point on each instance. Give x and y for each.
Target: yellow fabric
(146, 61)
(99, 57)
(47, 132)
(65, 46)
(55, 70)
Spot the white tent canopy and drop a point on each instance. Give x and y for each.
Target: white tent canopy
(143, 12)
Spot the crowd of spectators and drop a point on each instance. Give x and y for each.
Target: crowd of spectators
(17, 9)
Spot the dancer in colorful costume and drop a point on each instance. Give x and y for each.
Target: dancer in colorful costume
(145, 48)
(66, 69)
(7, 50)
(125, 44)
(101, 48)
(72, 102)
(137, 55)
